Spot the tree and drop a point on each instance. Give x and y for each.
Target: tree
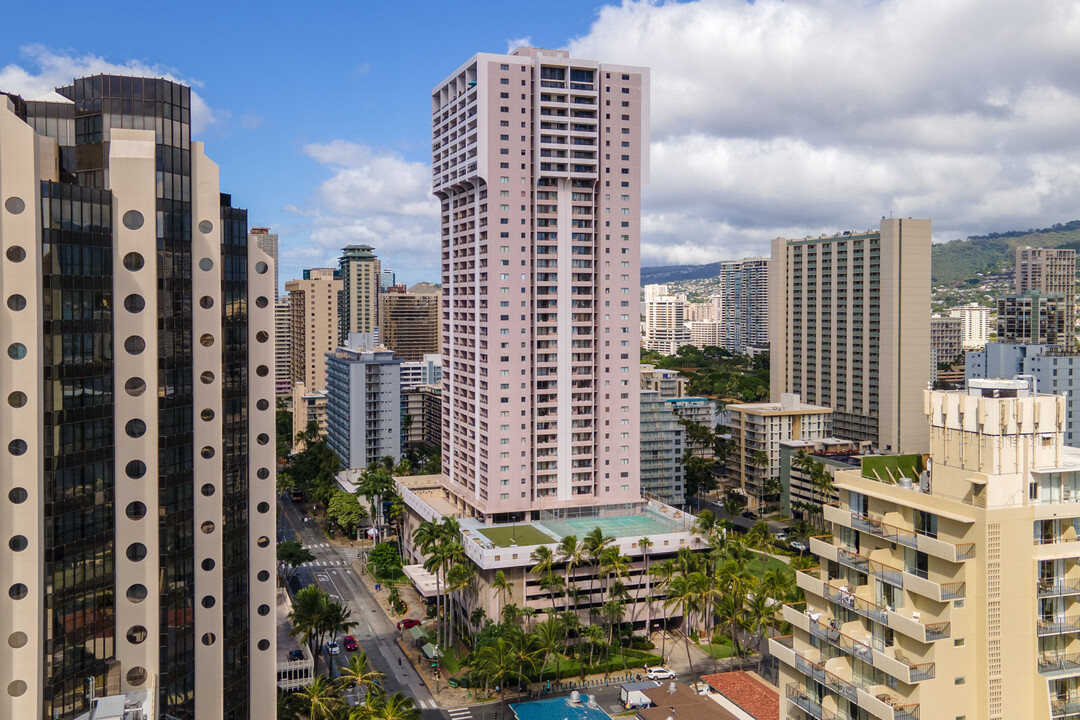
(321, 699)
(760, 539)
(395, 707)
(645, 543)
(501, 586)
(595, 543)
(758, 459)
(681, 593)
(308, 618)
(497, 662)
(359, 674)
(572, 554)
(550, 640)
(385, 559)
(345, 510)
(290, 556)
(732, 504)
(336, 621)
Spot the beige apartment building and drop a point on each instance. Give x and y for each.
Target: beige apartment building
(850, 329)
(314, 321)
(1033, 318)
(669, 383)
(762, 427)
(361, 276)
(950, 583)
(538, 162)
(946, 338)
(409, 324)
(1050, 271)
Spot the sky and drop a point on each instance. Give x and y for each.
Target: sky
(768, 118)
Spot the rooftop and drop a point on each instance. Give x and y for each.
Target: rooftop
(616, 521)
(558, 709)
(677, 700)
(752, 695)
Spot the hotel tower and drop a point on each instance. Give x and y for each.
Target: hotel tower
(538, 161)
(136, 470)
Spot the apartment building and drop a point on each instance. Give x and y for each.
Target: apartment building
(706, 333)
(757, 429)
(363, 403)
(1055, 372)
(663, 441)
(409, 324)
(665, 325)
(137, 485)
(313, 301)
(538, 162)
(266, 241)
(1050, 271)
(427, 371)
(669, 383)
(283, 347)
(1035, 319)
(360, 273)
(307, 406)
(802, 497)
(946, 338)
(421, 417)
(947, 590)
(976, 325)
(850, 329)
(742, 303)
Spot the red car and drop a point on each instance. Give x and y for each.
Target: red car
(350, 643)
(406, 624)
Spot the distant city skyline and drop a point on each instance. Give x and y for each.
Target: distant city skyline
(757, 134)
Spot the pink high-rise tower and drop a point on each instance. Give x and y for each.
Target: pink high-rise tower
(538, 160)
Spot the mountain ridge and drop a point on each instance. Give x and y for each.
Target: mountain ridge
(951, 262)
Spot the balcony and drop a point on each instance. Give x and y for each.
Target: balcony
(1064, 706)
(952, 552)
(1062, 625)
(1057, 587)
(1057, 663)
(797, 696)
(941, 592)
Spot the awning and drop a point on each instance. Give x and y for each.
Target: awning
(430, 651)
(422, 580)
(417, 633)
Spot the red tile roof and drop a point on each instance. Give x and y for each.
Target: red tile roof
(750, 694)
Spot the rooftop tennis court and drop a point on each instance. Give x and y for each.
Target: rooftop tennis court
(620, 526)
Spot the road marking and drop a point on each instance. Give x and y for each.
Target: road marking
(459, 714)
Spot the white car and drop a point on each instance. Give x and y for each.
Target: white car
(659, 673)
(332, 648)
(798, 545)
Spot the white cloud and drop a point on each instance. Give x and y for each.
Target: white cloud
(50, 70)
(514, 43)
(372, 197)
(805, 116)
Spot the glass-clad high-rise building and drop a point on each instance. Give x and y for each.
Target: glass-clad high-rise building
(136, 474)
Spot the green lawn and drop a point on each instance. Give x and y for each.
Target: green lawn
(721, 651)
(507, 535)
(452, 661)
(770, 563)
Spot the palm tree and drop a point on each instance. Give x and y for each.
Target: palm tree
(550, 640)
(706, 524)
(477, 618)
(760, 460)
(612, 563)
(336, 620)
(572, 554)
(731, 504)
(510, 613)
(544, 559)
(501, 586)
(823, 481)
(528, 613)
(321, 700)
(759, 615)
(681, 592)
(307, 617)
(395, 707)
(645, 543)
(553, 584)
(760, 539)
(665, 572)
(612, 612)
(359, 674)
(595, 544)
(497, 662)
(461, 577)
(288, 705)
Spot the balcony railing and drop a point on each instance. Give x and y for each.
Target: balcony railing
(797, 695)
(852, 602)
(1055, 587)
(911, 537)
(830, 680)
(1062, 706)
(1059, 662)
(832, 635)
(1058, 625)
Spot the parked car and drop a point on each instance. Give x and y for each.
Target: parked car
(659, 673)
(332, 648)
(798, 545)
(780, 537)
(749, 514)
(296, 654)
(350, 643)
(406, 624)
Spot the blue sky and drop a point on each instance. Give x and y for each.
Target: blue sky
(777, 117)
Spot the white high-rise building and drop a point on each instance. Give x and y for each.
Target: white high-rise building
(363, 402)
(742, 305)
(283, 347)
(976, 327)
(665, 325)
(538, 162)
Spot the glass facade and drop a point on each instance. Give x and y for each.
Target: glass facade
(78, 442)
(234, 290)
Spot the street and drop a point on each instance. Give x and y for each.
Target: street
(332, 572)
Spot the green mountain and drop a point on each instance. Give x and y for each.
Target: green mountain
(960, 260)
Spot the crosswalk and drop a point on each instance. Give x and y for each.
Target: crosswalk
(325, 563)
(317, 545)
(460, 714)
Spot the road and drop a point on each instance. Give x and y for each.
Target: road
(376, 634)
